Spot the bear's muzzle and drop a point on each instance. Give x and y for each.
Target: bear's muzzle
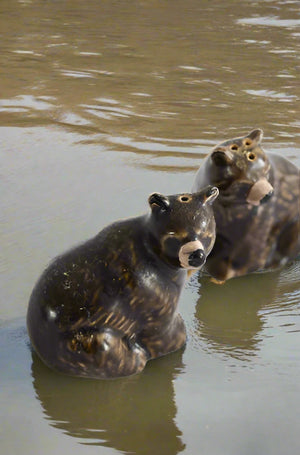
(260, 192)
(191, 255)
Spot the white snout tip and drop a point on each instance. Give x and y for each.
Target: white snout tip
(186, 250)
(259, 190)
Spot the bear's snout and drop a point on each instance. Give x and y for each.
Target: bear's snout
(191, 255)
(260, 192)
(197, 258)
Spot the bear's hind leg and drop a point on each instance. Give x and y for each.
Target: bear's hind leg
(120, 356)
(104, 354)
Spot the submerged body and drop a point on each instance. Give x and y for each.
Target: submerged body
(258, 210)
(106, 307)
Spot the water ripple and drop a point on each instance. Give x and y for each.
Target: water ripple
(26, 102)
(269, 21)
(272, 94)
(77, 74)
(154, 147)
(109, 111)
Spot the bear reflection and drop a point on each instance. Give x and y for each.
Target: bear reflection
(134, 414)
(229, 318)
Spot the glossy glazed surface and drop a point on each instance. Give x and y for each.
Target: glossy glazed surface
(107, 306)
(258, 211)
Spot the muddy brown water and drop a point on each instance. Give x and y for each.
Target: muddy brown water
(102, 103)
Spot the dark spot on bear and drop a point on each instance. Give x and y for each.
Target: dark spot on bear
(219, 158)
(241, 260)
(172, 245)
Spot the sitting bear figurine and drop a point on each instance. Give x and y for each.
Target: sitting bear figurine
(258, 211)
(106, 307)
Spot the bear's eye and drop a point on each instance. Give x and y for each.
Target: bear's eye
(251, 156)
(234, 147)
(171, 245)
(248, 142)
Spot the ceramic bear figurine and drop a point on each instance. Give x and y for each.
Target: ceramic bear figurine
(258, 210)
(106, 307)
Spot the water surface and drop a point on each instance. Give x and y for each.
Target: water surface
(102, 103)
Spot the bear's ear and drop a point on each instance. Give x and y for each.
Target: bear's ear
(158, 201)
(256, 135)
(210, 194)
(221, 156)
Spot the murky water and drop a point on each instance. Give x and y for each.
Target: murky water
(102, 103)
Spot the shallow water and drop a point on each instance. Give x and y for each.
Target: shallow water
(102, 103)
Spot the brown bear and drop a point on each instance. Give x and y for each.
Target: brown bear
(106, 307)
(258, 211)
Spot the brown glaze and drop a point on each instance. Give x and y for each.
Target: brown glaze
(258, 211)
(106, 307)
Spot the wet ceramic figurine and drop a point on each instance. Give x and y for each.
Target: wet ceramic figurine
(106, 307)
(258, 211)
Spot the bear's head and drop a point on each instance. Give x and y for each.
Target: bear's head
(240, 169)
(182, 227)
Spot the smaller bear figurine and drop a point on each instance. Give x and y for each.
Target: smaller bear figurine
(106, 307)
(258, 211)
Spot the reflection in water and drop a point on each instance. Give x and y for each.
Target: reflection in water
(287, 295)
(230, 318)
(134, 415)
